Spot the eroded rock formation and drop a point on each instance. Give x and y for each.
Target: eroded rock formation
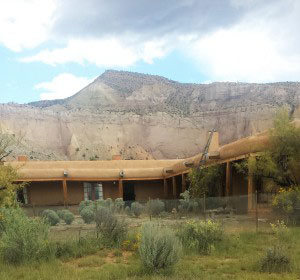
(142, 116)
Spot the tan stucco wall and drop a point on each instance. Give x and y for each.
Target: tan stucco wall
(110, 190)
(45, 193)
(145, 189)
(75, 192)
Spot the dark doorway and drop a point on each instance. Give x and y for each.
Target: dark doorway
(128, 191)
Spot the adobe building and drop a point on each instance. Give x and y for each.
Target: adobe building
(70, 182)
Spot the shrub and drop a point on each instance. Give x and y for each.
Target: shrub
(88, 215)
(61, 213)
(128, 211)
(84, 204)
(68, 217)
(51, 217)
(287, 202)
(155, 207)
(275, 261)
(159, 248)
(24, 239)
(137, 209)
(119, 205)
(200, 236)
(109, 227)
(132, 243)
(280, 230)
(107, 203)
(186, 203)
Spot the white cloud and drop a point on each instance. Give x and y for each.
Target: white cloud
(25, 24)
(103, 52)
(62, 86)
(236, 55)
(256, 49)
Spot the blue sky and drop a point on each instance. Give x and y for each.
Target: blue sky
(52, 48)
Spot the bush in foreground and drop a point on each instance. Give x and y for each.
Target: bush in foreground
(68, 217)
(128, 211)
(275, 260)
(137, 209)
(88, 215)
(111, 229)
(83, 204)
(155, 207)
(119, 205)
(24, 239)
(200, 236)
(51, 217)
(159, 248)
(61, 213)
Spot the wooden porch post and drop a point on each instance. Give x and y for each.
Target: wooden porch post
(174, 187)
(251, 189)
(183, 182)
(120, 195)
(65, 191)
(228, 178)
(165, 188)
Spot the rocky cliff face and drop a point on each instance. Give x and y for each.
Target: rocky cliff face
(142, 116)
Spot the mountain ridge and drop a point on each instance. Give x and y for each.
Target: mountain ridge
(142, 116)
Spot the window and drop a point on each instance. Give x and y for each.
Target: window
(93, 191)
(98, 191)
(87, 188)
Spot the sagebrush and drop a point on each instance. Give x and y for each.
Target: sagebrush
(159, 248)
(109, 227)
(200, 236)
(155, 207)
(51, 217)
(24, 239)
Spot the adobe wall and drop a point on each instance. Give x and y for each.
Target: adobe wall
(145, 189)
(45, 193)
(110, 189)
(75, 192)
(51, 193)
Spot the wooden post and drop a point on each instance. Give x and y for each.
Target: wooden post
(65, 191)
(250, 189)
(174, 187)
(165, 188)
(183, 176)
(120, 195)
(228, 178)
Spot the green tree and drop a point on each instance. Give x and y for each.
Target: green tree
(206, 180)
(8, 187)
(279, 163)
(8, 175)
